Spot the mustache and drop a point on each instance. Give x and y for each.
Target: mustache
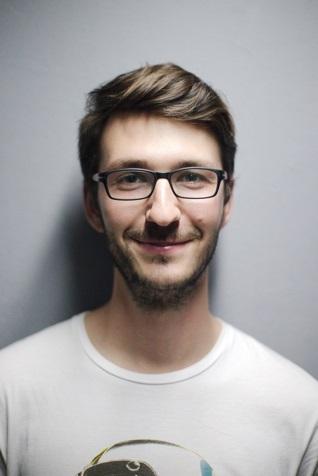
(159, 233)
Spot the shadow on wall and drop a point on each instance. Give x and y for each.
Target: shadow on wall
(73, 275)
(89, 265)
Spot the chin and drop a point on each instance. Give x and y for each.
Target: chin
(165, 275)
(161, 293)
(162, 282)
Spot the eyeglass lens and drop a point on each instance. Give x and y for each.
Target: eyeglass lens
(186, 183)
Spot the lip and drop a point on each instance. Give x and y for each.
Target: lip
(161, 247)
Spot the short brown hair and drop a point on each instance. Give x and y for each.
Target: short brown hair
(162, 89)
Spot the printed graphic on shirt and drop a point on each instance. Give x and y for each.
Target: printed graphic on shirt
(147, 458)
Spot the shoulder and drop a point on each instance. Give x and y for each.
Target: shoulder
(274, 373)
(44, 349)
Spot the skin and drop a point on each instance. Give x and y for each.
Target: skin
(133, 337)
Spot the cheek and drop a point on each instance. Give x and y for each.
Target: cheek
(120, 215)
(205, 214)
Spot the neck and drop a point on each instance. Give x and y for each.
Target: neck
(153, 341)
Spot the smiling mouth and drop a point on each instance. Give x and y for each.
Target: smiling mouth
(162, 243)
(159, 247)
(159, 240)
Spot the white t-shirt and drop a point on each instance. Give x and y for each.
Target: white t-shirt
(243, 408)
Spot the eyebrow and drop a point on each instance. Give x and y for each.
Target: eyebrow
(145, 164)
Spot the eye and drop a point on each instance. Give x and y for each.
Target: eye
(131, 178)
(128, 180)
(190, 178)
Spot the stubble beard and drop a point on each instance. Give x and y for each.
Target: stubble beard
(150, 295)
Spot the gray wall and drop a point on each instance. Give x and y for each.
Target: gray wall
(261, 54)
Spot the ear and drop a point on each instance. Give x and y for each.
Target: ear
(92, 211)
(227, 209)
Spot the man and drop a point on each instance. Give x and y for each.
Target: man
(152, 376)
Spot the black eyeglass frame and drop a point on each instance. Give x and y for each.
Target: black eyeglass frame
(102, 177)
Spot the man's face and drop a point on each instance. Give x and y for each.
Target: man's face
(162, 244)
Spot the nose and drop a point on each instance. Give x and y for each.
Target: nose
(163, 206)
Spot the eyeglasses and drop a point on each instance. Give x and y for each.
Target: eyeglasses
(163, 458)
(137, 184)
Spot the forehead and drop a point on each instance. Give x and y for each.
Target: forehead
(156, 142)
